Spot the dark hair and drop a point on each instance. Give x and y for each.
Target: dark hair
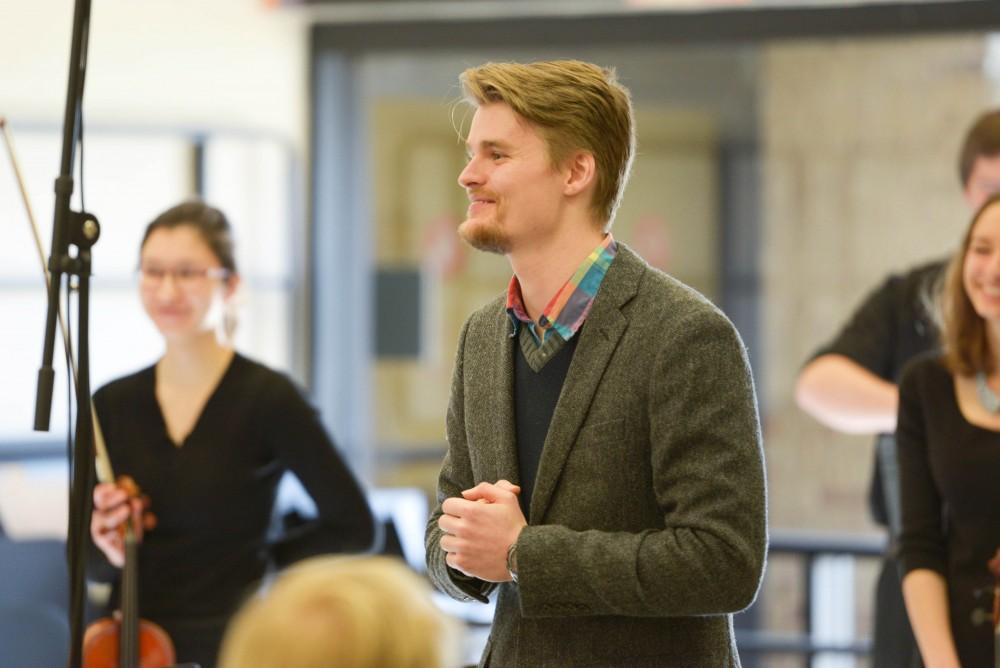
(963, 330)
(210, 223)
(982, 140)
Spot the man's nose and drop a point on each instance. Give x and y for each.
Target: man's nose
(471, 175)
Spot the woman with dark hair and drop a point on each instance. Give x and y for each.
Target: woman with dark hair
(948, 437)
(207, 433)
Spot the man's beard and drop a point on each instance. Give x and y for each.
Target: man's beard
(484, 236)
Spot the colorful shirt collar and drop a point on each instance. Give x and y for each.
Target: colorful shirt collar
(566, 311)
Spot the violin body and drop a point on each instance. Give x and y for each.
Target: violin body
(102, 643)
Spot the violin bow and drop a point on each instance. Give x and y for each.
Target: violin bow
(103, 463)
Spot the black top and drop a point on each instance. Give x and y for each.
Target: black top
(213, 496)
(892, 326)
(539, 373)
(950, 474)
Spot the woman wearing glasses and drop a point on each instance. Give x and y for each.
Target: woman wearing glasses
(207, 433)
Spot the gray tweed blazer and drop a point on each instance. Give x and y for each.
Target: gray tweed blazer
(648, 514)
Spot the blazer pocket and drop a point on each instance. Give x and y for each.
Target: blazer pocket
(595, 434)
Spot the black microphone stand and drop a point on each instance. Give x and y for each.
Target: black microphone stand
(80, 230)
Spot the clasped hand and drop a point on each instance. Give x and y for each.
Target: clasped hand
(478, 528)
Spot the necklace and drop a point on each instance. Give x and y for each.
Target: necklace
(987, 397)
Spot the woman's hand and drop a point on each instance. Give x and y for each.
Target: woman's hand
(113, 504)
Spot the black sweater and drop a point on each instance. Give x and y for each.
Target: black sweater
(213, 495)
(539, 374)
(950, 479)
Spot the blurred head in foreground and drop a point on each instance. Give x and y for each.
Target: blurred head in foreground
(331, 612)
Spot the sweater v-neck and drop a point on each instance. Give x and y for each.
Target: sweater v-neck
(216, 391)
(955, 405)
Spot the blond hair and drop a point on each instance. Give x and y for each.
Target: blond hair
(575, 105)
(350, 612)
(963, 330)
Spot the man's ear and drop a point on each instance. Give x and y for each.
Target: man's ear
(969, 196)
(581, 172)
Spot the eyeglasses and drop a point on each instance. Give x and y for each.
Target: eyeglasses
(183, 276)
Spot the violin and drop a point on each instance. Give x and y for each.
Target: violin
(125, 640)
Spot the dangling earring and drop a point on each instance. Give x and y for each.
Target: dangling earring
(229, 321)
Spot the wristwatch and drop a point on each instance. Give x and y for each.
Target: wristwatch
(512, 561)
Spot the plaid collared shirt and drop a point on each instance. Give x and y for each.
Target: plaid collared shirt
(566, 311)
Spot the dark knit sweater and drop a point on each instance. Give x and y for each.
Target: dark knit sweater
(539, 372)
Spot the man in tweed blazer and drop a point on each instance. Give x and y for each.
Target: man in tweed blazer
(604, 466)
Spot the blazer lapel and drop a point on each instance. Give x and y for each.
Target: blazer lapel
(503, 442)
(598, 339)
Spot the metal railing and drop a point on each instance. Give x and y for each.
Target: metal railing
(816, 552)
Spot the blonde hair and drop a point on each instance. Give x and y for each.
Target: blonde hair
(575, 105)
(350, 612)
(963, 331)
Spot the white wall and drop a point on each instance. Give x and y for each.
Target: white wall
(167, 64)
(214, 63)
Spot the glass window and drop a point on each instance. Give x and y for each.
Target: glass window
(129, 177)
